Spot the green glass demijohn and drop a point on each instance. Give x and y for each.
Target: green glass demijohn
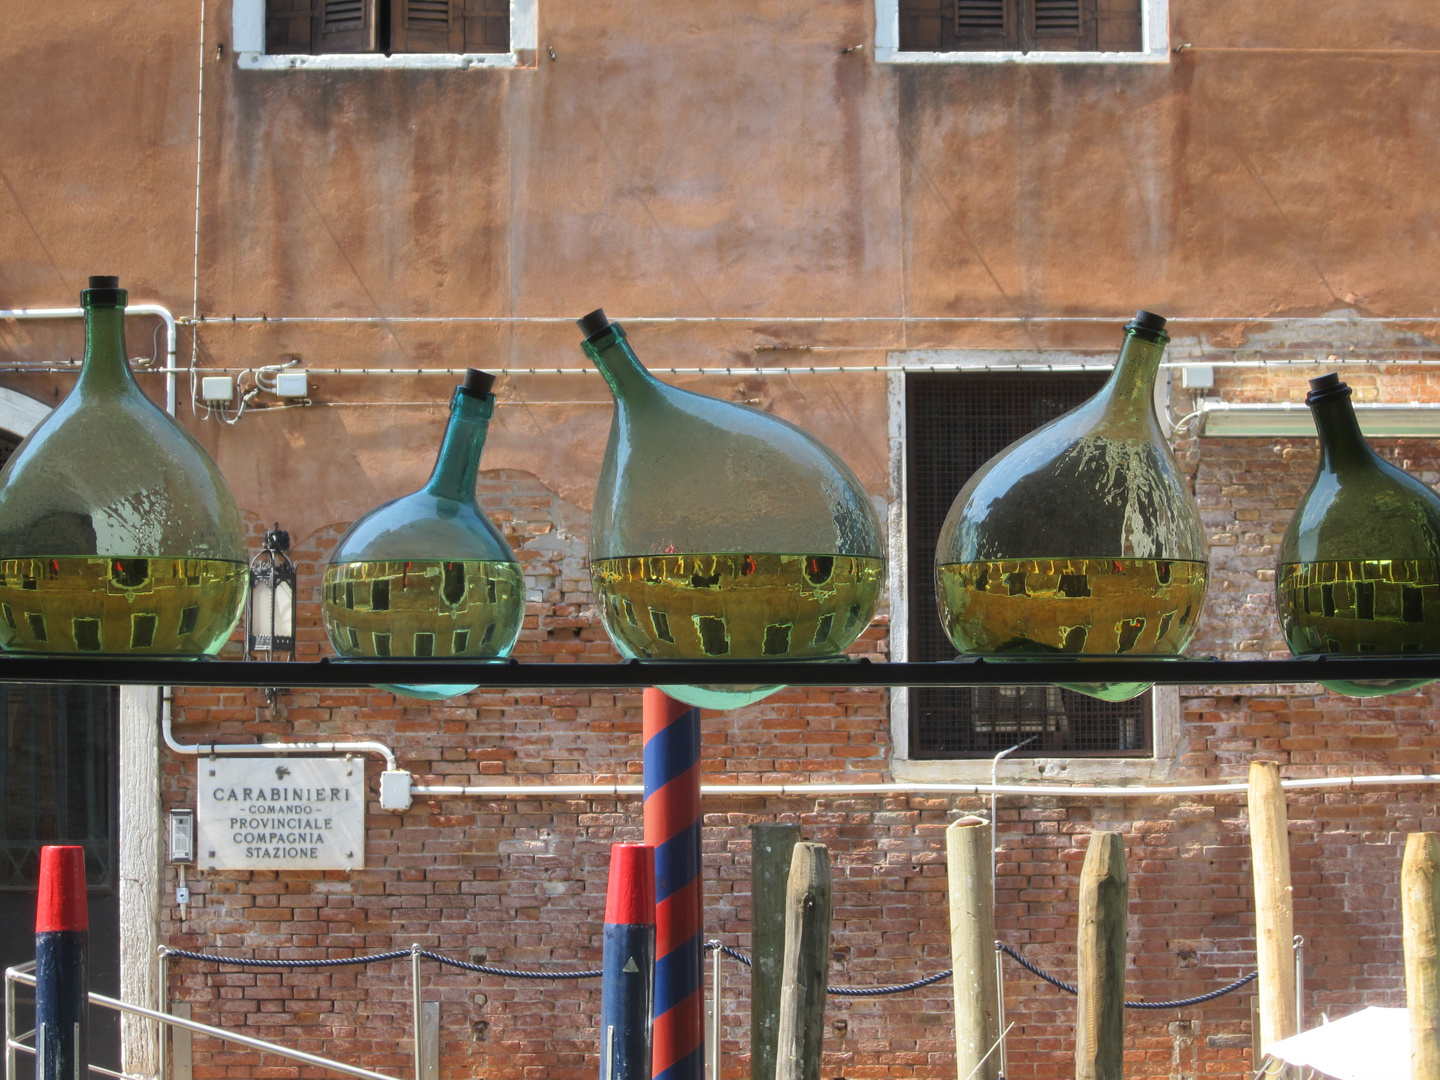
(118, 535)
(1081, 538)
(1359, 568)
(428, 575)
(721, 532)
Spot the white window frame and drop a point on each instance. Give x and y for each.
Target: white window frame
(1164, 700)
(1154, 39)
(248, 40)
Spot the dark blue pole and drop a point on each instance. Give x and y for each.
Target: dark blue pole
(629, 981)
(62, 930)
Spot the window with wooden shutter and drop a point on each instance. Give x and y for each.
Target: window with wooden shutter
(387, 26)
(1019, 25)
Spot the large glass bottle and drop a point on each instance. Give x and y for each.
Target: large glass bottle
(721, 532)
(118, 535)
(1359, 568)
(1083, 537)
(428, 575)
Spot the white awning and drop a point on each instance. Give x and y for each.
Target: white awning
(1372, 1044)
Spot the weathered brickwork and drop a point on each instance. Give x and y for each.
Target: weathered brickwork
(521, 882)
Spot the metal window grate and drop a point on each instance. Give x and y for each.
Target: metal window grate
(955, 423)
(56, 777)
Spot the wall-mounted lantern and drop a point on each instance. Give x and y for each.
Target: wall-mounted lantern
(270, 614)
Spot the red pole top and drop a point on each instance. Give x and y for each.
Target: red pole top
(630, 894)
(61, 904)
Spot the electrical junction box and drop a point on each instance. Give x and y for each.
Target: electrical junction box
(395, 789)
(292, 384)
(217, 389)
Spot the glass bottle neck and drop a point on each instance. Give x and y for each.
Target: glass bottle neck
(1131, 385)
(624, 373)
(459, 460)
(106, 367)
(1342, 446)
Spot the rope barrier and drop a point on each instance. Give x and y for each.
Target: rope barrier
(845, 991)
(377, 958)
(730, 951)
(1181, 1004)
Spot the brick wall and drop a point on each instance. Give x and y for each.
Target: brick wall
(521, 882)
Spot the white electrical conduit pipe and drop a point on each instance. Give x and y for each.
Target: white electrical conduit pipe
(783, 790)
(169, 369)
(1356, 320)
(226, 749)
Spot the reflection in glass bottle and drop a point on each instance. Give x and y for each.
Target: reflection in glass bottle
(118, 535)
(1083, 536)
(1359, 568)
(428, 575)
(721, 532)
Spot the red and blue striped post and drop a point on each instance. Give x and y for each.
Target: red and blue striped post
(672, 828)
(628, 984)
(62, 929)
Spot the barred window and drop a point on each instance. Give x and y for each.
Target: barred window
(954, 423)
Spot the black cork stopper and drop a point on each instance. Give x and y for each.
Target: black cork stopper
(477, 383)
(104, 291)
(1147, 320)
(1327, 388)
(594, 324)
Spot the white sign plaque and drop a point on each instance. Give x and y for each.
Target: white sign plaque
(281, 813)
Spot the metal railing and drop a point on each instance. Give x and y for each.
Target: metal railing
(15, 1043)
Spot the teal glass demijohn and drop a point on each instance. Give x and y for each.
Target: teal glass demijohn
(1081, 538)
(720, 532)
(118, 535)
(1359, 567)
(428, 575)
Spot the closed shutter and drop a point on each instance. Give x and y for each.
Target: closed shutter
(1063, 25)
(487, 26)
(427, 26)
(347, 26)
(985, 24)
(289, 26)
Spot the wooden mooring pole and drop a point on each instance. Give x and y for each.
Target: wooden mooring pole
(972, 949)
(1104, 911)
(807, 965)
(1274, 903)
(1420, 910)
(771, 848)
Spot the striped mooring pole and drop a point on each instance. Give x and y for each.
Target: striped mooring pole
(672, 828)
(628, 984)
(62, 929)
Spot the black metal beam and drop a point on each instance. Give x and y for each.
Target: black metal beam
(511, 674)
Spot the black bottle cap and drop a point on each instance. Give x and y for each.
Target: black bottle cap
(104, 291)
(1325, 388)
(594, 324)
(1146, 320)
(477, 383)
